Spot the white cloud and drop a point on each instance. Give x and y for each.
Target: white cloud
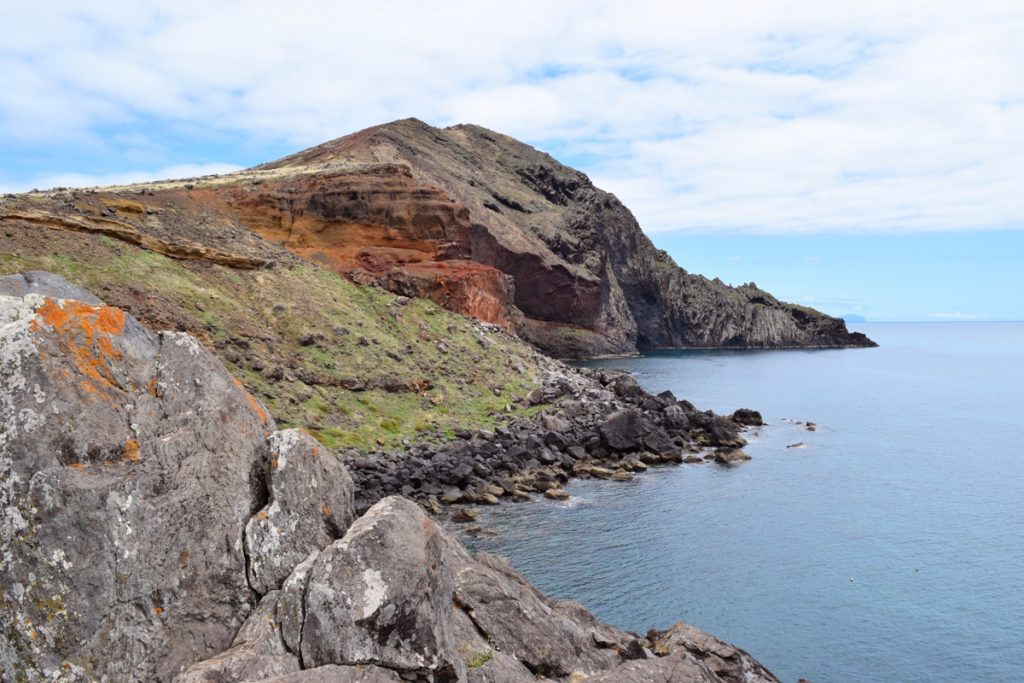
(784, 116)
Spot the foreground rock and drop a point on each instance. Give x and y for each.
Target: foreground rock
(155, 527)
(129, 466)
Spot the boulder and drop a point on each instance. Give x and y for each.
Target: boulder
(747, 417)
(256, 653)
(382, 595)
(719, 430)
(675, 417)
(730, 456)
(675, 668)
(129, 465)
(291, 603)
(40, 282)
(310, 506)
(624, 430)
(516, 618)
(484, 663)
(728, 663)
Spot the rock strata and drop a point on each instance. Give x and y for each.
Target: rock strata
(156, 526)
(580, 270)
(476, 221)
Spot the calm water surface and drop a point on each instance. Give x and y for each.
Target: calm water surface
(890, 548)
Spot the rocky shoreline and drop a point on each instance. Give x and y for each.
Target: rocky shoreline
(599, 424)
(156, 525)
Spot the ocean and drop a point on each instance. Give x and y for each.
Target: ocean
(889, 547)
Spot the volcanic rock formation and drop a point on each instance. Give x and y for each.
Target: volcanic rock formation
(478, 222)
(585, 277)
(156, 526)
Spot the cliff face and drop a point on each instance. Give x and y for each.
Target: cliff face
(478, 222)
(586, 278)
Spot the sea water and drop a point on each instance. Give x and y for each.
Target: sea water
(889, 547)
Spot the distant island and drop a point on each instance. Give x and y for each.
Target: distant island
(853, 318)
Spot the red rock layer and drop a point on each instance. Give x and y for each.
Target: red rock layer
(376, 223)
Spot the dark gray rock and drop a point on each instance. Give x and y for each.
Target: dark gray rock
(720, 431)
(310, 506)
(46, 284)
(128, 467)
(257, 652)
(382, 595)
(747, 417)
(624, 430)
(339, 674)
(729, 663)
(500, 602)
(675, 668)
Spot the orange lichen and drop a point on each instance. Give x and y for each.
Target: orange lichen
(151, 386)
(273, 464)
(159, 610)
(257, 408)
(131, 451)
(326, 510)
(262, 514)
(87, 332)
(77, 465)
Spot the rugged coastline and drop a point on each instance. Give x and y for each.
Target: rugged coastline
(356, 346)
(158, 526)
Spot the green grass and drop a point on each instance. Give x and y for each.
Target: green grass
(478, 659)
(272, 309)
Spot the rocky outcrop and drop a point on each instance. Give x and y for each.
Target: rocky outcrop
(128, 468)
(155, 526)
(595, 424)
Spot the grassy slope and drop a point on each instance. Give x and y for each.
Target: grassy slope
(257, 318)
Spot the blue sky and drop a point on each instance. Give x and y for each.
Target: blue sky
(858, 156)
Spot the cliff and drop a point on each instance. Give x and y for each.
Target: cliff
(478, 222)
(585, 277)
(159, 525)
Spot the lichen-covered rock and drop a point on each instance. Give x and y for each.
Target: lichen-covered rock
(675, 668)
(257, 651)
(518, 619)
(382, 595)
(310, 505)
(339, 674)
(727, 662)
(291, 602)
(20, 285)
(129, 464)
(484, 663)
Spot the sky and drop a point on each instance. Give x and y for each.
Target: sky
(858, 156)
